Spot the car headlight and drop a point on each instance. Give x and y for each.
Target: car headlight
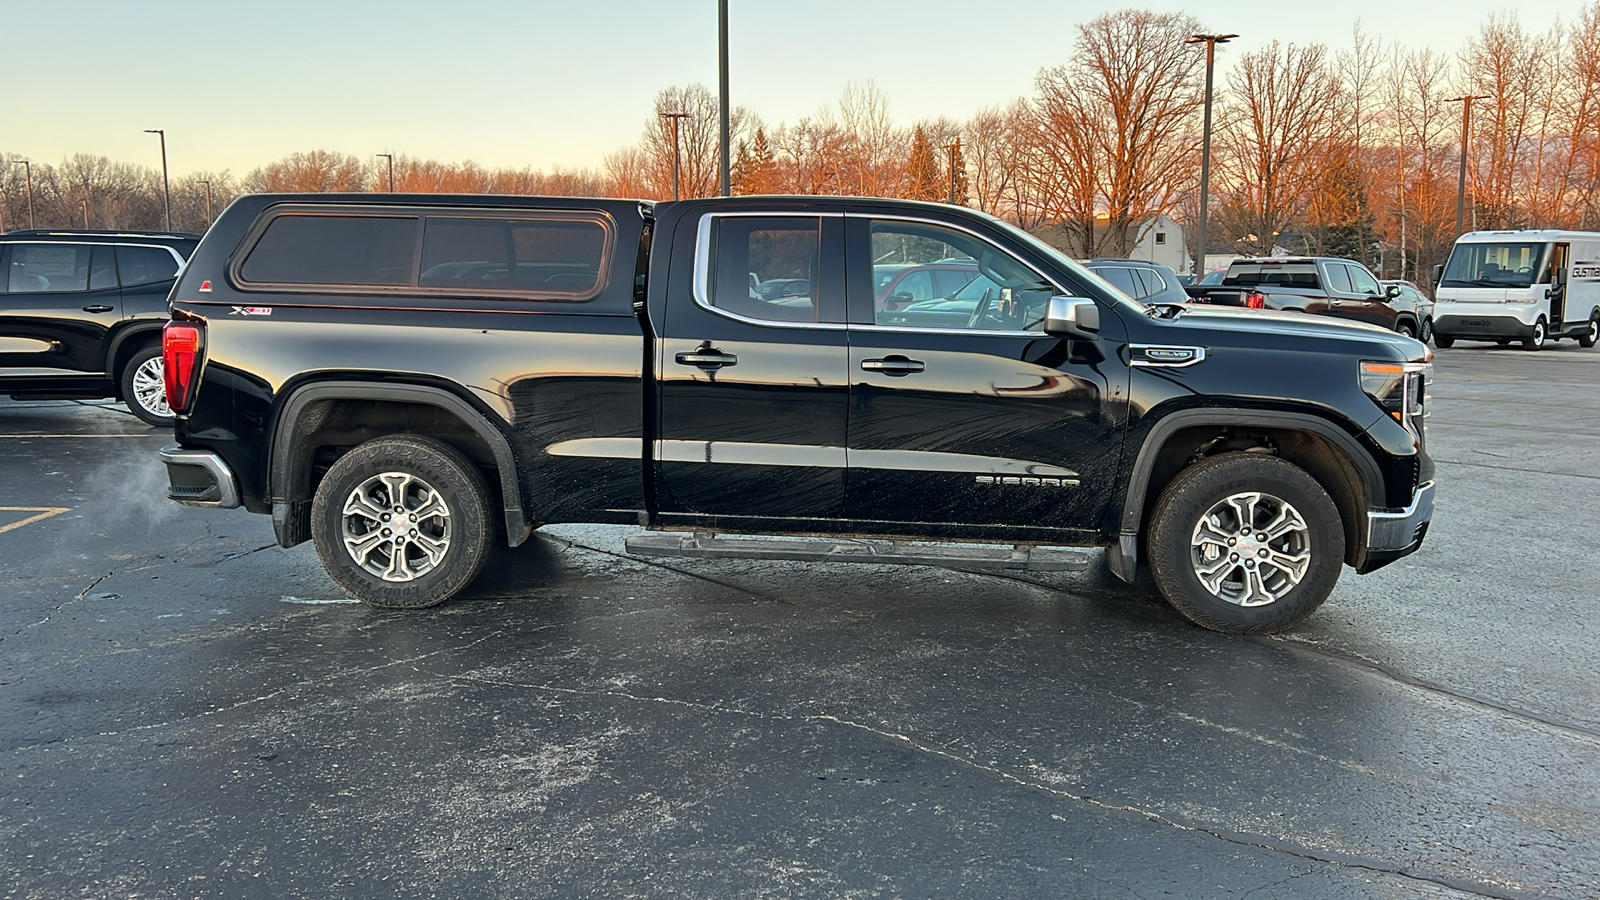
(1400, 388)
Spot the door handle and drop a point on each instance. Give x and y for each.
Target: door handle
(894, 365)
(708, 358)
(98, 309)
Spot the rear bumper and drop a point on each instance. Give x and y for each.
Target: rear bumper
(199, 478)
(1391, 535)
(1484, 328)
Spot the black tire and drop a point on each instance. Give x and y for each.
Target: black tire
(1427, 331)
(465, 529)
(1592, 336)
(1190, 501)
(148, 402)
(1443, 342)
(1405, 327)
(1539, 336)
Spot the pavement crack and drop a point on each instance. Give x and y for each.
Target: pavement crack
(60, 606)
(1259, 842)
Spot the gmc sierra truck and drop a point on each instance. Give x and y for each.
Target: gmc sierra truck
(406, 379)
(1320, 286)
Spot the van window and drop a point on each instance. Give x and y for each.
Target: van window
(562, 257)
(1507, 265)
(362, 251)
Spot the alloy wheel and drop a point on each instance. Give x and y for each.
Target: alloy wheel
(396, 526)
(150, 388)
(1251, 549)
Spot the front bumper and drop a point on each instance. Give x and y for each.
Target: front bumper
(1391, 535)
(1482, 328)
(199, 478)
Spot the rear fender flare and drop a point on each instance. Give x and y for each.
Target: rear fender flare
(284, 471)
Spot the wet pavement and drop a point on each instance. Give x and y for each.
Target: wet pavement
(188, 710)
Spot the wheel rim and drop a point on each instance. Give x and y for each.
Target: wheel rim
(1594, 331)
(1538, 334)
(150, 387)
(1251, 549)
(1427, 332)
(396, 526)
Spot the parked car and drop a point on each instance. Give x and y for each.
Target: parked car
(403, 423)
(1417, 299)
(1323, 286)
(81, 314)
(1527, 286)
(1144, 281)
(909, 284)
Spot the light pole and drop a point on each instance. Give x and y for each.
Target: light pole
(952, 149)
(86, 212)
(722, 94)
(1466, 127)
(166, 185)
(390, 158)
(27, 166)
(1211, 41)
(673, 117)
(207, 183)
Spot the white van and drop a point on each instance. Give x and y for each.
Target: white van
(1527, 286)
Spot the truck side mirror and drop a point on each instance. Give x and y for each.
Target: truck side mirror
(1072, 317)
(1438, 274)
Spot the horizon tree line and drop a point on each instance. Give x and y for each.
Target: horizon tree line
(1345, 152)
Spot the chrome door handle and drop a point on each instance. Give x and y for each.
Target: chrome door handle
(709, 358)
(98, 309)
(894, 365)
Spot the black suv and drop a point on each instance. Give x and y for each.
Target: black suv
(1147, 282)
(406, 379)
(81, 315)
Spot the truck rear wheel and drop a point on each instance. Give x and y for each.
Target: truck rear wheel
(402, 522)
(1245, 543)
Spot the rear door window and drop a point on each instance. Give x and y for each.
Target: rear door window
(1339, 279)
(359, 251)
(1123, 279)
(103, 271)
(767, 268)
(1363, 281)
(145, 265)
(49, 268)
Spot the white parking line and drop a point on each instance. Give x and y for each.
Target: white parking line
(44, 512)
(75, 435)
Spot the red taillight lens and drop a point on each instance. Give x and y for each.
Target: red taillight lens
(1256, 301)
(180, 358)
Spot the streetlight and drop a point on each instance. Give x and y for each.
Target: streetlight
(1466, 126)
(28, 166)
(1211, 41)
(722, 94)
(673, 117)
(390, 158)
(166, 185)
(953, 149)
(86, 212)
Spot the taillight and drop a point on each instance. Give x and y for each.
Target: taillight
(1255, 300)
(180, 357)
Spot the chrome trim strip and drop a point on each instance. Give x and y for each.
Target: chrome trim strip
(227, 486)
(748, 453)
(1199, 356)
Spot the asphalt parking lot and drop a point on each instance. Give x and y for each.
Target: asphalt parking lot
(187, 710)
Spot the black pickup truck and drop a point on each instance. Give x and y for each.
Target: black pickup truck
(406, 379)
(1322, 286)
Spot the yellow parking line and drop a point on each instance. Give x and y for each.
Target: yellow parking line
(44, 512)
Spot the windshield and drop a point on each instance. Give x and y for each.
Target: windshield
(1509, 265)
(1078, 271)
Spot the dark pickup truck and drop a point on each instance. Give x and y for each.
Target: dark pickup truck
(1321, 286)
(406, 379)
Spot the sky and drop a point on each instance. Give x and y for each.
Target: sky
(561, 83)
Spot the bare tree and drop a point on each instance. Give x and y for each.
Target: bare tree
(1506, 63)
(1285, 106)
(314, 171)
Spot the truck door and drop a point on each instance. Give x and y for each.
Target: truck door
(978, 418)
(1559, 255)
(61, 301)
(750, 368)
(1370, 304)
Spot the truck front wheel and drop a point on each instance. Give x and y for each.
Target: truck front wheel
(402, 522)
(1245, 543)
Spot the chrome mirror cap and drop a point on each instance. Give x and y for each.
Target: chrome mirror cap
(1073, 317)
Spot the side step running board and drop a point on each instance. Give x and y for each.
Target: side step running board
(1021, 558)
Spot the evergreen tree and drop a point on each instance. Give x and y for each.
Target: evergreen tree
(922, 170)
(763, 174)
(959, 167)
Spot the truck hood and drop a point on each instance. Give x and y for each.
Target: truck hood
(1229, 326)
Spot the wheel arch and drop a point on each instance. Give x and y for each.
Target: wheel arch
(1327, 452)
(298, 432)
(124, 344)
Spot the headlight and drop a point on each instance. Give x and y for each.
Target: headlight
(1400, 388)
